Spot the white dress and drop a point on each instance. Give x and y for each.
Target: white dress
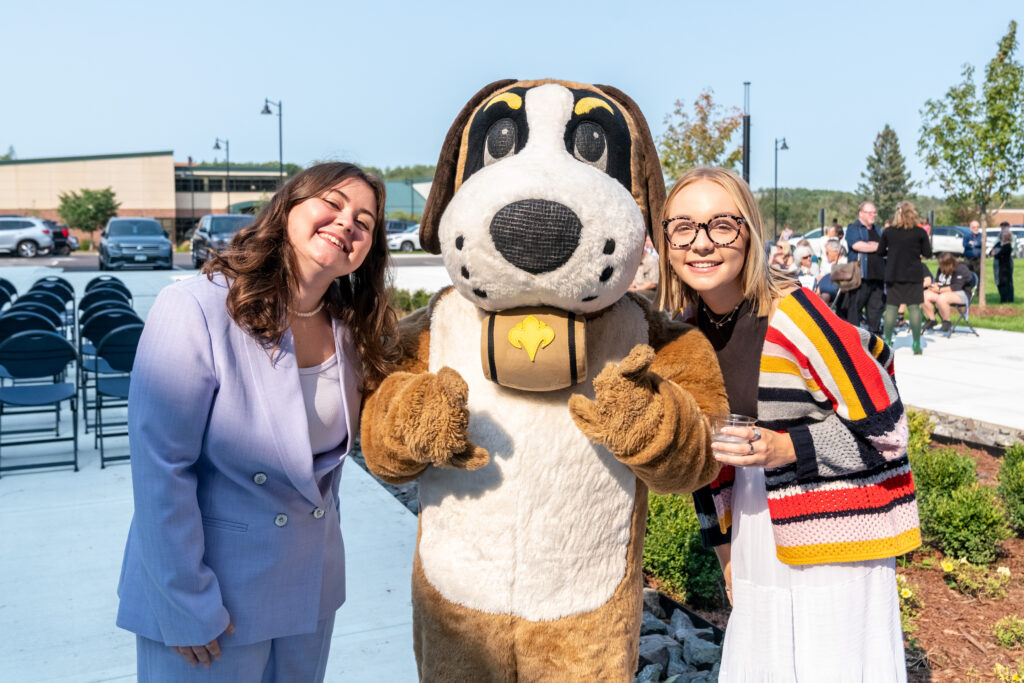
(827, 622)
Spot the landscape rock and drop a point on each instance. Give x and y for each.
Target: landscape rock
(676, 665)
(652, 624)
(650, 674)
(652, 602)
(654, 649)
(699, 652)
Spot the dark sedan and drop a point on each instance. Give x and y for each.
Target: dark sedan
(133, 242)
(214, 233)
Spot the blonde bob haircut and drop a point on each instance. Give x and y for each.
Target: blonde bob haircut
(761, 286)
(906, 216)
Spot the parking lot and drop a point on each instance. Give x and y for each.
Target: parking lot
(83, 262)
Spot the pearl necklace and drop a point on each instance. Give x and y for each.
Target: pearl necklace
(724, 320)
(309, 314)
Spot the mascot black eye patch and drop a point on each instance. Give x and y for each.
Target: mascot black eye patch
(598, 134)
(497, 130)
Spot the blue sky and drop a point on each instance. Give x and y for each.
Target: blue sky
(379, 82)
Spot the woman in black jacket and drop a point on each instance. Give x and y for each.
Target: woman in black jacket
(1003, 255)
(952, 285)
(903, 246)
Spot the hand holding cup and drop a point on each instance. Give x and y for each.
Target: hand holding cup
(736, 440)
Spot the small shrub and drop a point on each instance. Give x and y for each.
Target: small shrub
(674, 555)
(968, 523)
(975, 580)
(1011, 485)
(941, 471)
(405, 302)
(1009, 631)
(1006, 674)
(920, 426)
(910, 603)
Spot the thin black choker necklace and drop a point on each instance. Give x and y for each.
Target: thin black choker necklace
(721, 321)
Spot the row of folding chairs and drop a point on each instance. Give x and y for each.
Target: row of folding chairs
(52, 349)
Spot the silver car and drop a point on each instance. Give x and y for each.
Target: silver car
(25, 236)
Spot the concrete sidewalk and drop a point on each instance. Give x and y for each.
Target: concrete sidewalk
(62, 537)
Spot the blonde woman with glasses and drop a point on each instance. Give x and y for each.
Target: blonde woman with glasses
(815, 500)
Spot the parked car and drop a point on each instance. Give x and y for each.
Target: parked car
(129, 241)
(406, 241)
(63, 242)
(816, 237)
(949, 238)
(25, 235)
(214, 232)
(396, 225)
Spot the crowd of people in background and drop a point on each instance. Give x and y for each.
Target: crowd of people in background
(893, 281)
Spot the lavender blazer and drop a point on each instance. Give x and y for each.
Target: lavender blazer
(234, 517)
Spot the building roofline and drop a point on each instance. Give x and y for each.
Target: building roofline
(93, 157)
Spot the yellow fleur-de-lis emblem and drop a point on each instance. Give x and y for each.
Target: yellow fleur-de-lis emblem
(531, 334)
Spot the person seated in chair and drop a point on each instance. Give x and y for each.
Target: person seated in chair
(834, 256)
(952, 286)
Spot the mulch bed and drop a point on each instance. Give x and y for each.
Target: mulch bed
(954, 639)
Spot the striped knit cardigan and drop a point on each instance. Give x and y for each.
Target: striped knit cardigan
(850, 494)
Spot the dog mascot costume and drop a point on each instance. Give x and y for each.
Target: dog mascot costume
(533, 472)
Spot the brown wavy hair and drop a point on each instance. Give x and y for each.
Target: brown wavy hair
(260, 267)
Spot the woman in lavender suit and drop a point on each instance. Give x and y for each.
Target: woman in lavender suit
(244, 402)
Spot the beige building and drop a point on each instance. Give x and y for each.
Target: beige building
(145, 183)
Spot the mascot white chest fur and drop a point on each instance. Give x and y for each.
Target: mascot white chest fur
(536, 401)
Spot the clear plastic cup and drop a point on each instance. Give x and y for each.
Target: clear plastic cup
(718, 422)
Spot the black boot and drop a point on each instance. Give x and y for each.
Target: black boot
(945, 326)
(929, 324)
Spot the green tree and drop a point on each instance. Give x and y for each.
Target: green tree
(10, 156)
(700, 139)
(415, 172)
(88, 210)
(887, 180)
(974, 146)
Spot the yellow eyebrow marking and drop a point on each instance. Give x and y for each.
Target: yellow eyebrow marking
(588, 103)
(513, 100)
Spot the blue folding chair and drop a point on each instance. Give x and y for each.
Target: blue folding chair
(8, 287)
(117, 349)
(103, 280)
(95, 326)
(41, 356)
(964, 310)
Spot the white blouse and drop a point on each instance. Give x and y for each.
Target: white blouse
(325, 411)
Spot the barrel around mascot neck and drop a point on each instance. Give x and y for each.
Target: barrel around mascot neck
(535, 348)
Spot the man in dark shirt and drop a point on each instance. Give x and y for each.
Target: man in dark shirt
(972, 247)
(862, 240)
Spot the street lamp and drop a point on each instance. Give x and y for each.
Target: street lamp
(227, 156)
(780, 143)
(746, 131)
(280, 144)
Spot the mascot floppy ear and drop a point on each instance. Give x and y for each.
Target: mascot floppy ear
(443, 187)
(648, 181)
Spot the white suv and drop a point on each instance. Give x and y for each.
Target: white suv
(25, 236)
(948, 238)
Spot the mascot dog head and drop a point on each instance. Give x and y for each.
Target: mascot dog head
(543, 194)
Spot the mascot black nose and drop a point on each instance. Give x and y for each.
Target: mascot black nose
(536, 235)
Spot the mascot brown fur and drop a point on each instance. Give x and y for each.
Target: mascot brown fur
(533, 475)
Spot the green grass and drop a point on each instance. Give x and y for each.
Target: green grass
(1011, 323)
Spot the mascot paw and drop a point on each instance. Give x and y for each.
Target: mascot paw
(433, 421)
(627, 409)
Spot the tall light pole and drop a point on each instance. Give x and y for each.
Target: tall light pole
(192, 189)
(280, 143)
(780, 143)
(746, 131)
(227, 156)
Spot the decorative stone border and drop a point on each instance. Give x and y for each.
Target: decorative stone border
(955, 428)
